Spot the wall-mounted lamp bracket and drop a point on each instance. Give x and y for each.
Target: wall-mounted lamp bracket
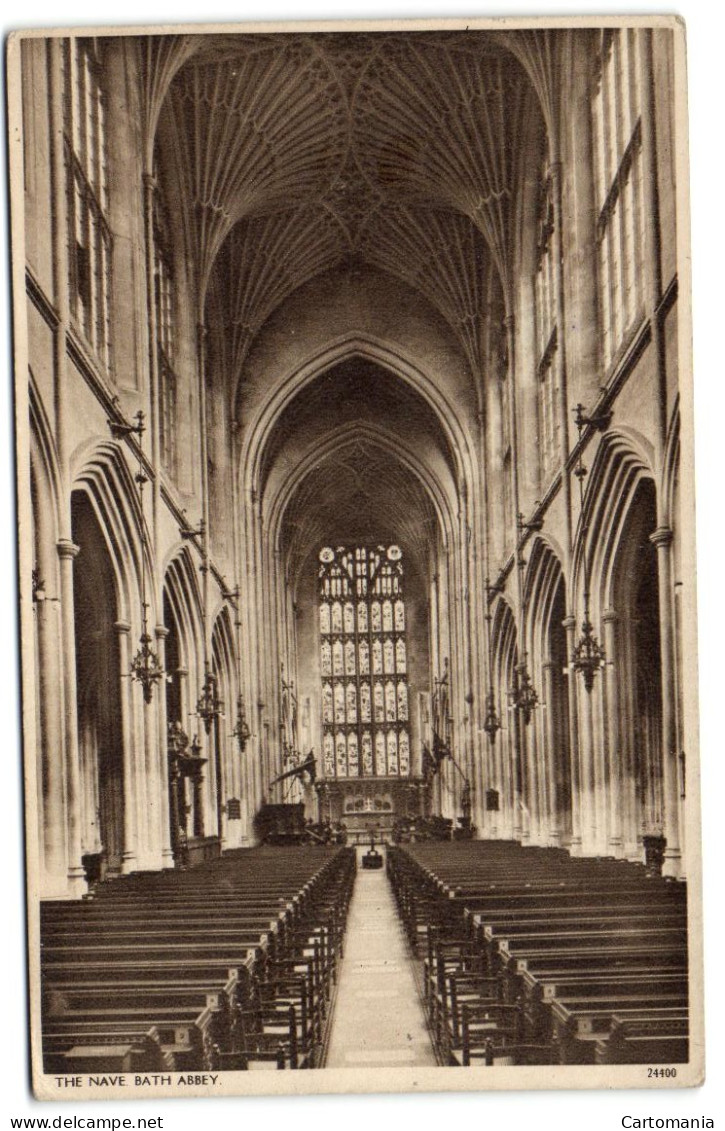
(120, 427)
(600, 422)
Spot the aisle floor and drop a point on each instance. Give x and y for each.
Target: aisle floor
(378, 1020)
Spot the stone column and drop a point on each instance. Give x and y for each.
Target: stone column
(60, 244)
(149, 188)
(551, 824)
(517, 775)
(130, 784)
(510, 774)
(50, 740)
(493, 781)
(533, 764)
(559, 359)
(175, 806)
(614, 753)
(662, 539)
(569, 624)
(600, 764)
(494, 473)
(146, 784)
(631, 779)
(587, 781)
(67, 551)
(575, 232)
(162, 793)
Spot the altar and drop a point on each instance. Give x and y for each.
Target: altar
(370, 806)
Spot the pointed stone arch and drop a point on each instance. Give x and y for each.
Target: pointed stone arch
(104, 476)
(460, 444)
(507, 768)
(111, 577)
(622, 460)
(229, 784)
(630, 773)
(44, 699)
(549, 748)
(183, 617)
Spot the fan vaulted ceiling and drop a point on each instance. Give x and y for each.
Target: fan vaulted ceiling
(298, 153)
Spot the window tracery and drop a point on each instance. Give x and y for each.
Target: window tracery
(618, 183)
(363, 656)
(166, 334)
(546, 330)
(86, 157)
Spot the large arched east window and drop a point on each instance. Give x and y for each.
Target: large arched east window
(363, 662)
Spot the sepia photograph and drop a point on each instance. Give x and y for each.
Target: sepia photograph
(355, 490)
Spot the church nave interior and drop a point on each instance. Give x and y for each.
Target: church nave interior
(353, 514)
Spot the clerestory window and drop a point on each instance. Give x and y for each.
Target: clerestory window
(89, 233)
(546, 332)
(165, 338)
(618, 182)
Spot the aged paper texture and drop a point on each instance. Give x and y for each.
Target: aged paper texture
(357, 558)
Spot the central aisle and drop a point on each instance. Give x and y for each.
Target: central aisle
(378, 1020)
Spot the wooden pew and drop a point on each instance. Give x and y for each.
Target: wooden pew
(537, 913)
(193, 1036)
(541, 991)
(192, 954)
(580, 1022)
(116, 1051)
(484, 1027)
(645, 1038)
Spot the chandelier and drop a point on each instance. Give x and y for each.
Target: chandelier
(241, 731)
(145, 665)
(523, 695)
(588, 656)
(209, 706)
(491, 722)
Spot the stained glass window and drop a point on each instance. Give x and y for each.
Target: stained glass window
(365, 708)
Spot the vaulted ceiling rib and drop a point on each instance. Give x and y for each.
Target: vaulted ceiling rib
(264, 259)
(360, 492)
(539, 52)
(442, 124)
(400, 151)
(162, 56)
(256, 135)
(441, 254)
